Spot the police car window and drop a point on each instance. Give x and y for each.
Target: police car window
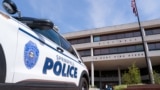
(67, 46)
(50, 34)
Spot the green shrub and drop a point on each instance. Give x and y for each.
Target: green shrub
(120, 87)
(133, 75)
(156, 77)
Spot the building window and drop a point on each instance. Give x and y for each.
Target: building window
(112, 50)
(156, 31)
(80, 40)
(73, 41)
(112, 37)
(119, 36)
(97, 52)
(118, 50)
(139, 47)
(128, 35)
(149, 32)
(131, 49)
(103, 38)
(122, 50)
(137, 34)
(84, 53)
(116, 36)
(105, 51)
(158, 46)
(96, 38)
(152, 46)
(153, 31)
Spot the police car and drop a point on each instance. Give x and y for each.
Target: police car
(34, 56)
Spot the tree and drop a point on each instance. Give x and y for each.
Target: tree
(133, 75)
(126, 78)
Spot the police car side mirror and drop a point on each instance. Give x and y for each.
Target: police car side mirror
(10, 6)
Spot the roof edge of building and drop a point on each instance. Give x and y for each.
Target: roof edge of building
(112, 29)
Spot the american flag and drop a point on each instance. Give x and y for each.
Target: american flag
(133, 5)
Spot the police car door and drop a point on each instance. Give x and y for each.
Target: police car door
(41, 59)
(32, 50)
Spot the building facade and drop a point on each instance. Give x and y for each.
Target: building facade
(109, 51)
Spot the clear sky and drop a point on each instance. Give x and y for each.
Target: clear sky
(76, 15)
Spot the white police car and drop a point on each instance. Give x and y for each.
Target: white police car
(33, 56)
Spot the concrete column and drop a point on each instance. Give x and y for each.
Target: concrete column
(92, 64)
(92, 74)
(100, 80)
(119, 76)
(91, 37)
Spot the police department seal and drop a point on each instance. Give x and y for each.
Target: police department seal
(31, 54)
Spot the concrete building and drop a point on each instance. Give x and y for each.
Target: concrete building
(109, 51)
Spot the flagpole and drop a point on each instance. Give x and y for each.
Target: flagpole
(145, 46)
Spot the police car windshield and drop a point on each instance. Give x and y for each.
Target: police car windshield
(50, 34)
